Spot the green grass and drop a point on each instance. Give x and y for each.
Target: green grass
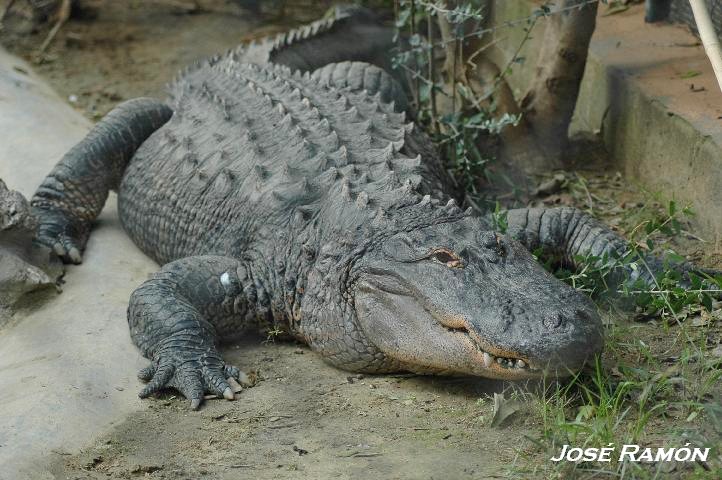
(628, 397)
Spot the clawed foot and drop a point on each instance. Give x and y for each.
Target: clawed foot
(192, 374)
(65, 236)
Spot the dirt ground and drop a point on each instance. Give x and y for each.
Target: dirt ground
(307, 419)
(303, 418)
(115, 51)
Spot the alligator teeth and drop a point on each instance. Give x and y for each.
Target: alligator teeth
(488, 359)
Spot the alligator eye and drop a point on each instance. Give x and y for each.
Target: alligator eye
(447, 258)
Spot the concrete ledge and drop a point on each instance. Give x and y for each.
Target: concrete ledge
(650, 94)
(67, 369)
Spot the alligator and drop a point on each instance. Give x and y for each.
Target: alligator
(277, 200)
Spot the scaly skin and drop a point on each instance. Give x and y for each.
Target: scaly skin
(304, 203)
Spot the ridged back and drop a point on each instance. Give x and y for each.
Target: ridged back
(254, 147)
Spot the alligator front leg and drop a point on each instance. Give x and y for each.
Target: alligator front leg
(176, 317)
(577, 236)
(74, 192)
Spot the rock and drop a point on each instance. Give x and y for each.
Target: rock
(24, 266)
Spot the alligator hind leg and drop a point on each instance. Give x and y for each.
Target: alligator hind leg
(74, 192)
(176, 317)
(576, 236)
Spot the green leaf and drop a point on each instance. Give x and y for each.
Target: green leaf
(615, 9)
(672, 209)
(403, 18)
(675, 257)
(503, 409)
(695, 280)
(644, 299)
(476, 119)
(585, 412)
(707, 301)
(690, 74)
(424, 92)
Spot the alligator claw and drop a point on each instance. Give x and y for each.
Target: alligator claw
(146, 374)
(235, 386)
(65, 249)
(63, 235)
(228, 394)
(192, 377)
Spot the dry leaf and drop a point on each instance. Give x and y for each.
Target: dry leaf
(503, 409)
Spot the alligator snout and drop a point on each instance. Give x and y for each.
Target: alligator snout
(557, 331)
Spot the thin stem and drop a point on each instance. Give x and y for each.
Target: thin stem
(432, 73)
(453, 77)
(417, 85)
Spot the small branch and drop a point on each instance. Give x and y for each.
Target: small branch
(482, 49)
(519, 21)
(417, 101)
(62, 17)
(453, 83)
(432, 73)
(6, 10)
(507, 68)
(420, 77)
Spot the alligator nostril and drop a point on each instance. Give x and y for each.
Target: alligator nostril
(553, 321)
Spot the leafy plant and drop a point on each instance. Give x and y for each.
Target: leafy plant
(619, 275)
(460, 133)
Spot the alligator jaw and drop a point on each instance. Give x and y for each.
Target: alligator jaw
(496, 363)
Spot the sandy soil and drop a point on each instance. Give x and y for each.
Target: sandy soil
(116, 51)
(306, 419)
(303, 418)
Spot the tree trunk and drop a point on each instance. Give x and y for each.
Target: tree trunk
(466, 64)
(538, 142)
(550, 102)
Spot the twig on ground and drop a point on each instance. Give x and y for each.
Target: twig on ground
(5, 12)
(62, 17)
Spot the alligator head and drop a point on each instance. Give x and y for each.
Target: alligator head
(459, 298)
